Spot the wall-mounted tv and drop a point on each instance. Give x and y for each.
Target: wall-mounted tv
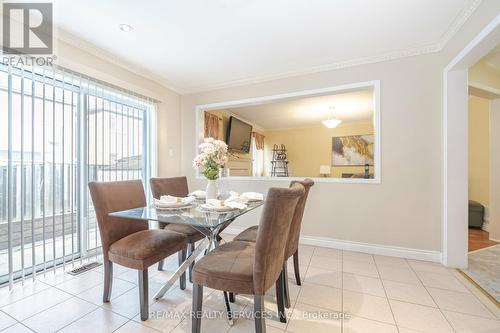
(239, 135)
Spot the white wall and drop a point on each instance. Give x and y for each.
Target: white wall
(494, 226)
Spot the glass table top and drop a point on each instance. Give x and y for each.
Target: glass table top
(193, 215)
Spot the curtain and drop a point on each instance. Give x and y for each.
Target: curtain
(211, 126)
(259, 140)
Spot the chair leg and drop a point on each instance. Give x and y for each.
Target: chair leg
(108, 280)
(191, 249)
(197, 308)
(280, 295)
(182, 278)
(296, 267)
(232, 297)
(160, 264)
(286, 289)
(258, 314)
(143, 293)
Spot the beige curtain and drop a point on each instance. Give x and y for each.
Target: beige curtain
(259, 140)
(211, 126)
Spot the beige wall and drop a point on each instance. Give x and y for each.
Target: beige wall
(484, 75)
(479, 149)
(168, 116)
(308, 148)
(405, 209)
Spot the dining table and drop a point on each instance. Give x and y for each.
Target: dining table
(210, 222)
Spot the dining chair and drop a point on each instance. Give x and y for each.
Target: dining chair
(292, 245)
(129, 242)
(177, 187)
(247, 267)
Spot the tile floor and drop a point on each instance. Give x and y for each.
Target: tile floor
(376, 293)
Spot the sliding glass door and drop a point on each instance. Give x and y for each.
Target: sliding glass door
(59, 130)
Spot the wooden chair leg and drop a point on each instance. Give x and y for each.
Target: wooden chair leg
(160, 265)
(191, 249)
(108, 280)
(286, 289)
(280, 297)
(143, 294)
(197, 308)
(182, 278)
(258, 314)
(296, 267)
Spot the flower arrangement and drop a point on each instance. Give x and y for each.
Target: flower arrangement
(212, 156)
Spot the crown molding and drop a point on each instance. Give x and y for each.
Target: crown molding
(456, 25)
(86, 46)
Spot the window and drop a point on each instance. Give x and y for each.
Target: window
(58, 131)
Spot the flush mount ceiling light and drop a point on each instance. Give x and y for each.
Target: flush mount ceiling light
(125, 27)
(333, 121)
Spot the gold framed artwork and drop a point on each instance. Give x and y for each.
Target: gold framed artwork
(353, 150)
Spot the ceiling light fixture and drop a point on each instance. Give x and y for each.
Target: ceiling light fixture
(332, 122)
(125, 27)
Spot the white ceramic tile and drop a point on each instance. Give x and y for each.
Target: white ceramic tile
(94, 294)
(411, 293)
(126, 304)
(360, 268)
(81, 282)
(321, 296)
(390, 261)
(358, 256)
(324, 277)
(18, 328)
(362, 325)
(363, 284)
(367, 306)
(20, 291)
(467, 323)
(59, 316)
(425, 266)
(217, 325)
(420, 317)
(6, 321)
(135, 327)
(328, 263)
(400, 274)
(306, 318)
(291, 272)
(327, 252)
(248, 325)
(442, 281)
(98, 321)
(35, 303)
(459, 302)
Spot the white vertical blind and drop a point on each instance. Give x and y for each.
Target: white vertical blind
(58, 131)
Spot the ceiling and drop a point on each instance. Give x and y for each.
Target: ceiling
(351, 107)
(196, 45)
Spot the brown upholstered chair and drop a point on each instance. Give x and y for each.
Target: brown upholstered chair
(129, 242)
(247, 267)
(177, 187)
(292, 245)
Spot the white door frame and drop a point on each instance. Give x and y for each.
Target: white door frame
(455, 159)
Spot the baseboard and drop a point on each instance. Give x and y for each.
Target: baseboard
(384, 250)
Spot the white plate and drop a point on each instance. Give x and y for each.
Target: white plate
(217, 209)
(176, 205)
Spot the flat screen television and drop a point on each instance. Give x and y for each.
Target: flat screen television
(239, 135)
